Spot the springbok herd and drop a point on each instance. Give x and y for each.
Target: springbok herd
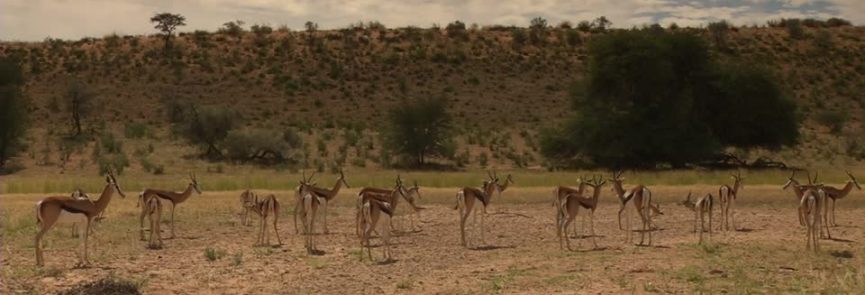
(374, 204)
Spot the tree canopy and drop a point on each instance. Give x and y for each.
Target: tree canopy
(13, 110)
(652, 97)
(420, 129)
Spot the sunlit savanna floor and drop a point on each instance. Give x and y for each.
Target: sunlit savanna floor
(521, 253)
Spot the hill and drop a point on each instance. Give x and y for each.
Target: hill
(503, 84)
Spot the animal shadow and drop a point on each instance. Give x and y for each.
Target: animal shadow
(491, 247)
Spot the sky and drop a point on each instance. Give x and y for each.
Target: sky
(35, 20)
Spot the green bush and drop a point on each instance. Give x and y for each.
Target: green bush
(420, 129)
(653, 98)
(832, 119)
(260, 145)
(13, 110)
(135, 130)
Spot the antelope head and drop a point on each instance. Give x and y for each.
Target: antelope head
(112, 180)
(790, 181)
(194, 183)
(853, 179)
(342, 178)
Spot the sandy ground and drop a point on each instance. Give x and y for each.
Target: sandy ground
(520, 255)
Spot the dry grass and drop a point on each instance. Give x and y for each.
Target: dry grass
(767, 256)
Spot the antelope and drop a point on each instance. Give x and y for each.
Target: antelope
(78, 194)
(701, 207)
(152, 207)
(562, 192)
(410, 195)
(642, 203)
(569, 209)
(727, 196)
(465, 202)
(835, 194)
(812, 201)
(264, 208)
(247, 199)
(799, 192)
(49, 209)
(326, 194)
(372, 208)
(308, 207)
(174, 198)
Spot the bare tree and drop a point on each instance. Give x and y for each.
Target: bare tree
(167, 23)
(79, 102)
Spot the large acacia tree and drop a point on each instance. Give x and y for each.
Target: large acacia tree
(13, 110)
(420, 129)
(652, 97)
(167, 23)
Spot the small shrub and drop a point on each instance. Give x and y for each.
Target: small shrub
(213, 254)
(237, 259)
(135, 130)
(834, 120)
(794, 28)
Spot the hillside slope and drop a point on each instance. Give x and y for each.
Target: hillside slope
(507, 83)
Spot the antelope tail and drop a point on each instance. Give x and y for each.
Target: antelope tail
(460, 199)
(39, 212)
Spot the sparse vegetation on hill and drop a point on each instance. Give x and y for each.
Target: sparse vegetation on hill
(497, 80)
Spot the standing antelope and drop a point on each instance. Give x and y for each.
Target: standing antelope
(465, 202)
(835, 194)
(247, 201)
(562, 192)
(812, 201)
(373, 206)
(265, 207)
(799, 192)
(174, 198)
(152, 207)
(409, 194)
(701, 207)
(48, 210)
(306, 210)
(326, 194)
(569, 209)
(727, 196)
(642, 203)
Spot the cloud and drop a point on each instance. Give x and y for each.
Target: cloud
(36, 19)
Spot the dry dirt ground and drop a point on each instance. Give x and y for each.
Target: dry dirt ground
(521, 254)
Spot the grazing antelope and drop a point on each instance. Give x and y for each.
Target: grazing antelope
(326, 194)
(562, 192)
(727, 197)
(48, 210)
(264, 208)
(812, 201)
(701, 207)
(835, 194)
(465, 202)
(409, 194)
(308, 207)
(247, 201)
(152, 207)
(570, 208)
(372, 209)
(642, 203)
(174, 198)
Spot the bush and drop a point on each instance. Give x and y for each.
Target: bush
(207, 127)
(135, 130)
(832, 119)
(13, 110)
(794, 28)
(655, 98)
(213, 254)
(420, 129)
(260, 145)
